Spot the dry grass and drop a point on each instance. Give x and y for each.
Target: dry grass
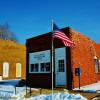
(89, 96)
(42, 91)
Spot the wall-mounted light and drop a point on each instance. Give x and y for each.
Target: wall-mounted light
(95, 57)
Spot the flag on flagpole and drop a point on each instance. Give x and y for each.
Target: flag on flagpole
(57, 33)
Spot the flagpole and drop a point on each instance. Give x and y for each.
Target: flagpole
(52, 55)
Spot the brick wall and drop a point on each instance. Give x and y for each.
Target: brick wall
(82, 55)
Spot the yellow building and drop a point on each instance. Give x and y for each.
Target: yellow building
(12, 60)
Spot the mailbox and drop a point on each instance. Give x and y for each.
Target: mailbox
(77, 71)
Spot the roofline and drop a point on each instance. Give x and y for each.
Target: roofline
(46, 33)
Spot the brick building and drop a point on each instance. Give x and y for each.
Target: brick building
(84, 55)
(12, 60)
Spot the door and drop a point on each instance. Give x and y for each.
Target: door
(60, 67)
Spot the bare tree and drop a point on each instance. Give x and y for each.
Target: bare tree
(6, 34)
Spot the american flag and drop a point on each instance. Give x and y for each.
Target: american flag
(57, 33)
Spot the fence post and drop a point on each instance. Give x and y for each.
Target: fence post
(30, 91)
(15, 90)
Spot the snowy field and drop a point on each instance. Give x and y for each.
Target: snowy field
(7, 92)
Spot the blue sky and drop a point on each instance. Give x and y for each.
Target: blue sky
(29, 18)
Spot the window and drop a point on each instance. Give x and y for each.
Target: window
(18, 69)
(39, 62)
(48, 67)
(97, 65)
(61, 65)
(45, 67)
(34, 68)
(40, 67)
(5, 69)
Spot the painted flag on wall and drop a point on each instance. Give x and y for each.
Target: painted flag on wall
(57, 33)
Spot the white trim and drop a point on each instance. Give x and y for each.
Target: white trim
(38, 58)
(39, 70)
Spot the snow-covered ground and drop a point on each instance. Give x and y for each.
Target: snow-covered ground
(66, 96)
(7, 91)
(58, 96)
(94, 87)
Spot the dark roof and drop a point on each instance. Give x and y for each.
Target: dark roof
(66, 28)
